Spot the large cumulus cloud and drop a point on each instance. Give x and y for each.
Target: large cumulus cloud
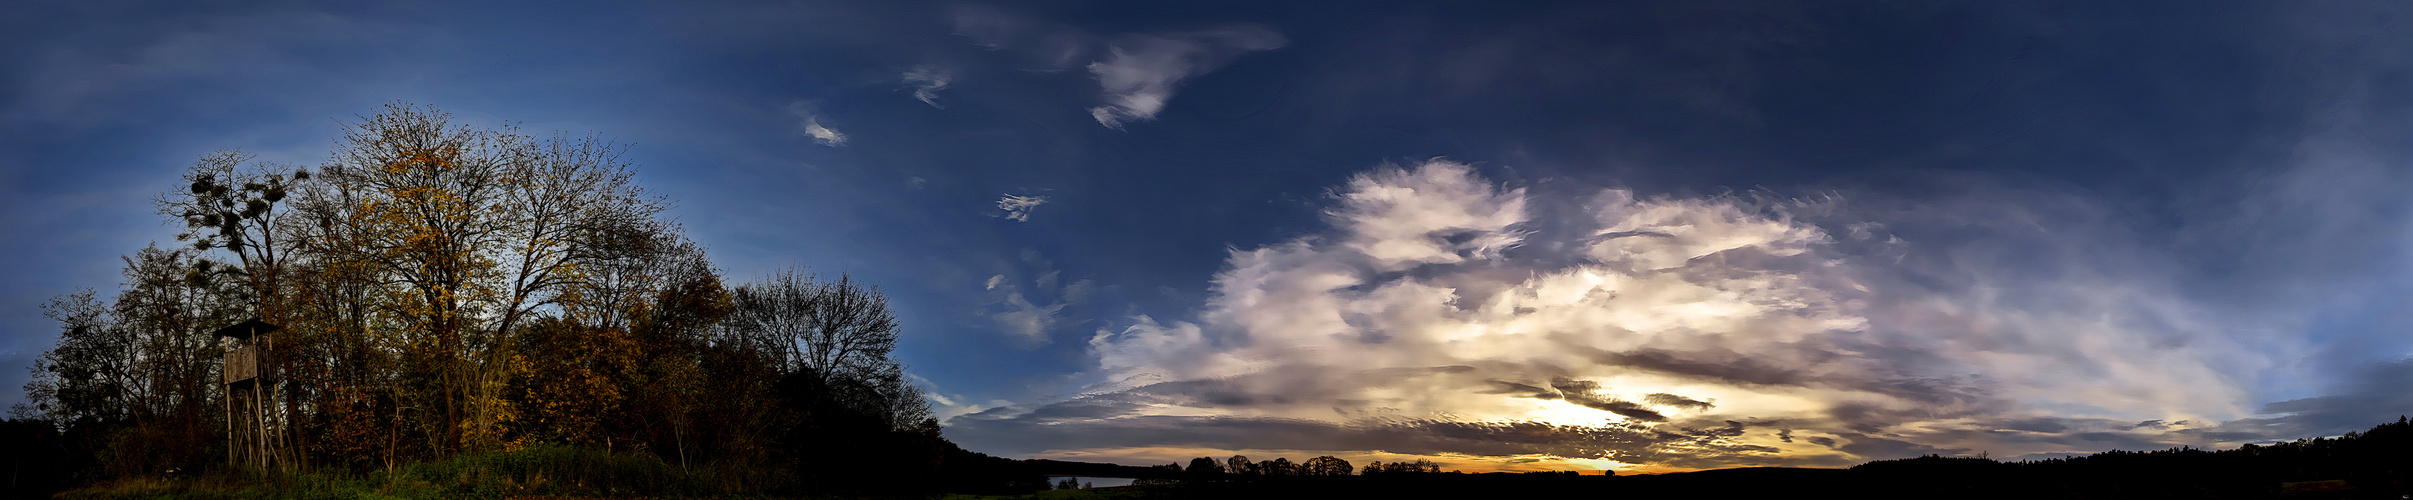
(1442, 314)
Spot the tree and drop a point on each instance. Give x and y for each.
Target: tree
(833, 330)
(459, 235)
(1419, 466)
(425, 198)
(1325, 466)
(233, 204)
(232, 209)
(450, 289)
(137, 373)
(1279, 467)
(169, 310)
(838, 335)
(90, 375)
(1203, 466)
(1239, 464)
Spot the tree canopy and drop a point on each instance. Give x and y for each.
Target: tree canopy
(448, 290)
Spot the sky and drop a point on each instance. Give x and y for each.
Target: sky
(1642, 236)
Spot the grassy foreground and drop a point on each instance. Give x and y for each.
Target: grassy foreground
(538, 471)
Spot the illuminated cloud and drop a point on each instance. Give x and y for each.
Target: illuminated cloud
(1435, 314)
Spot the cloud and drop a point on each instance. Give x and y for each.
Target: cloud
(926, 82)
(1028, 321)
(1053, 46)
(947, 406)
(1671, 400)
(1018, 207)
(1137, 73)
(2366, 393)
(1586, 393)
(1985, 317)
(813, 128)
(1140, 71)
(1024, 308)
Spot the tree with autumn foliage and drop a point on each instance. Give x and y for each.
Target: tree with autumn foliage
(449, 290)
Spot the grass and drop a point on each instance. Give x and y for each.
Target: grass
(1113, 493)
(533, 472)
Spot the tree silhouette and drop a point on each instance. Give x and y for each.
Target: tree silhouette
(1203, 466)
(1278, 467)
(1419, 466)
(1325, 466)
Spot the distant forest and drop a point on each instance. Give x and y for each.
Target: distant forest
(2377, 463)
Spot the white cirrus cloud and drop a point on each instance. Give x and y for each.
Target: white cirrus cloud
(1136, 73)
(926, 82)
(811, 125)
(1140, 72)
(1018, 207)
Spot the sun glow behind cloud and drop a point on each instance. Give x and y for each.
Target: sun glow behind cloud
(1438, 318)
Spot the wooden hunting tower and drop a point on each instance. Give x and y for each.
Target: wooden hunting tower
(255, 424)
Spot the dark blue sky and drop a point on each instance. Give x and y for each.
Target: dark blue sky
(2075, 225)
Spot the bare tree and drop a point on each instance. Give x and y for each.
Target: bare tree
(840, 335)
(234, 204)
(569, 205)
(832, 330)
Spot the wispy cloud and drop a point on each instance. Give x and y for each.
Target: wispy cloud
(810, 123)
(1018, 207)
(926, 82)
(945, 406)
(1139, 72)
(1053, 46)
(1029, 321)
(1030, 309)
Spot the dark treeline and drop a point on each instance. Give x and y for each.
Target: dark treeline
(2377, 463)
(1241, 468)
(447, 292)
